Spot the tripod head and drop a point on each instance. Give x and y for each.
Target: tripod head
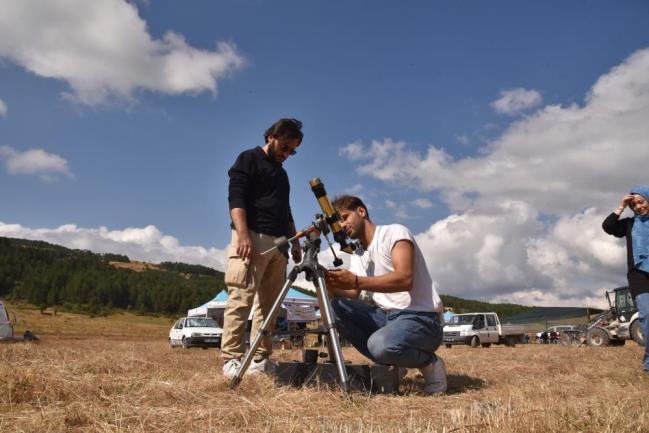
(312, 242)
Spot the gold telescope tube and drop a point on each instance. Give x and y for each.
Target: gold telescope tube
(331, 216)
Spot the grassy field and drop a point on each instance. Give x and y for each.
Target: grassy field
(120, 379)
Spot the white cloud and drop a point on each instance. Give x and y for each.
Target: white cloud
(355, 189)
(390, 204)
(423, 203)
(3, 108)
(47, 166)
(514, 101)
(528, 207)
(462, 139)
(102, 48)
(564, 159)
(143, 244)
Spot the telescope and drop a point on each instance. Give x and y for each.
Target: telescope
(332, 217)
(323, 224)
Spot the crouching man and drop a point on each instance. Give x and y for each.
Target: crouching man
(404, 329)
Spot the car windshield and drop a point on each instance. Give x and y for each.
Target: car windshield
(461, 320)
(201, 322)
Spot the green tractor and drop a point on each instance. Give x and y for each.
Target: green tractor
(612, 327)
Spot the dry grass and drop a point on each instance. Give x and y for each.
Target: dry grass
(79, 325)
(95, 384)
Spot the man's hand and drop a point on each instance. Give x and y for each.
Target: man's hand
(244, 245)
(340, 279)
(296, 252)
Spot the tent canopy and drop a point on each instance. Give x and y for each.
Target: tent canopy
(299, 307)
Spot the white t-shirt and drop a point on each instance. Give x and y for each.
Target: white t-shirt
(377, 261)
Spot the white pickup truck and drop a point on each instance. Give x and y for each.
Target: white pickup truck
(481, 329)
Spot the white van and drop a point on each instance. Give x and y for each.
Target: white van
(6, 325)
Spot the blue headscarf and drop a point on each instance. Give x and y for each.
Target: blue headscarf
(640, 234)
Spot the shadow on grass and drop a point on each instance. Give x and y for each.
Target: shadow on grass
(459, 383)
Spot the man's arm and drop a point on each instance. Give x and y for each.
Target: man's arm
(240, 174)
(296, 251)
(244, 242)
(347, 284)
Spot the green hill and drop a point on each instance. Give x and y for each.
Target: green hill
(47, 275)
(542, 314)
(461, 305)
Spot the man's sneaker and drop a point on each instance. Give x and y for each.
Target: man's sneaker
(231, 368)
(435, 377)
(264, 366)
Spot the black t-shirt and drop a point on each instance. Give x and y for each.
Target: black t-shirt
(260, 185)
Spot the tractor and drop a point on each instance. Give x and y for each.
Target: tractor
(613, 326)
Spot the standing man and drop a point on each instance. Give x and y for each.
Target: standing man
(260, 212)
(404, 329)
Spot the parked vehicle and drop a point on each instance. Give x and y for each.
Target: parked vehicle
(612, 327)
(481, 329)
(553, 333)
(6, 325)
(195, 332)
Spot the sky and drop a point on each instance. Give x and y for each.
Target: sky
(500, 133)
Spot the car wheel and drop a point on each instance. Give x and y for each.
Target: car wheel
(636, 333)
(448, 346)
(486, 344)
(475, 341)
(185, 344)
(597, 337)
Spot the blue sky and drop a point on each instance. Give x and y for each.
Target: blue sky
(399, 105)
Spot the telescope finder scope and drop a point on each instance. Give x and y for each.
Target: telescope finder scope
(332, 217)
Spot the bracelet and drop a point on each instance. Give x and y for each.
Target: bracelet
(620, 208)
(356, 283)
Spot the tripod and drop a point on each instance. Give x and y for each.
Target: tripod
(315, 273)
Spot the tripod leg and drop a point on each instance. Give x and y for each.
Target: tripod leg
(264, 330)
(332, 340)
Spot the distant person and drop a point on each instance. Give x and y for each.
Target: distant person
(636, 230)
(260, 212)
(404, 327)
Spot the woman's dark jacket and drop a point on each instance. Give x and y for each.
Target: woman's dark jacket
(613, 225)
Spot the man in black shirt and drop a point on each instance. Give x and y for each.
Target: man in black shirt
(260, 212)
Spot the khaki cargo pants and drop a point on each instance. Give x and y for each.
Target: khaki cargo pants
(263, 276)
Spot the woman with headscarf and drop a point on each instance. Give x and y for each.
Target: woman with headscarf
(636, 230)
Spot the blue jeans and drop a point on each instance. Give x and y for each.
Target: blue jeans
(642, 303)
(403, 338)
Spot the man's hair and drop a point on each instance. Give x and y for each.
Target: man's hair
(285, 128)
(350, 202)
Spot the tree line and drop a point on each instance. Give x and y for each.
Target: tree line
(48, 275)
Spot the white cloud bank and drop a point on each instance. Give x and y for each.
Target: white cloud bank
(102, 48)
(47, 166)
(3, 109)
(515, 101)
(142, 244)
(528, 208)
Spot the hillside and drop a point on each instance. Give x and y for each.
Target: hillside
(47, 275)
(541, 314)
